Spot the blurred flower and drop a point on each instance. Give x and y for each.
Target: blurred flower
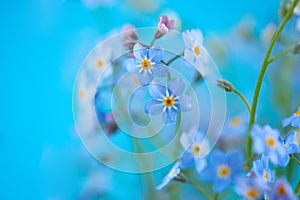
(266, 140)
(293, 120)
(165, 25)
(251, 188)
(146, 64)
(184, 162)
(129, 36)
(168, 100)
(290, 147)
(197, 146)
(297, 9)
(268, 32)
(107, 121)
(223, 169)
(261, 169)
(282, 191)
(227, 86)
(195, 53)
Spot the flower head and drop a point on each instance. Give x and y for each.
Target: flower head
(147, 64)
(168, 100)
(195, 52)
(251, 188)
(165, 25)
(293, 120)
(266, 141)
(290, 147)
(129, 36)
(261, 169)
(223, 169)
(198, 147)
(282, 191)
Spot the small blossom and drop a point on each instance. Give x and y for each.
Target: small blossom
(261, 169)
(146, 64)
(197, 146)
(266, 141)
(184, 162)
(222, 169)
(282, 191)
(293, 120)
(165, 25)
(168, 100)
(129, 36)
(290, 147)
(195, 53)
(251, 188)
(227, 86)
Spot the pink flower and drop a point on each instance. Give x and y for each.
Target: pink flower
(165, 25)
(129, 36)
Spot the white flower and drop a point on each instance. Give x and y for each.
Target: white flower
(195, 53)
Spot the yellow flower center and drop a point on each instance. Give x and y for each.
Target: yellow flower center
(281, 190)
(146, 64)
(81, 93)
(266, 175)
(252, 193)
(197, 50)
(223, 171)
(100, 63)
(169, 101)
(236, 121)
(196, 149)
(270, 142)
(298, 113)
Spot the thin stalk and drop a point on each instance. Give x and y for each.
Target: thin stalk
(297, 187)
(278, 56)
(296, 160)
(174, 58)
(243, 99)
(263, 70)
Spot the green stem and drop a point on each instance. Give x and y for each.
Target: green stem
(174, 58)
(263, 70)
(201, 189)
(278, 56)
(216, 196)
(243, 99)
(296, 160)
(297, 187)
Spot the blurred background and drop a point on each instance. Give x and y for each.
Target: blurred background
(43, 44)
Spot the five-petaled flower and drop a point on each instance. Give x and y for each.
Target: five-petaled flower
(147, 64)
(293, 120)
(195, 53)
(261, 169)
(266, 141)
(168, 100)
(197, 146)
(222, 169)
(282, 191)
(251, 188)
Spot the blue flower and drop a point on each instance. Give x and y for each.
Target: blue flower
(261, 169)
(290, 147)
(293, 120)
(147, 64)
(184, 162)
(222, 169)
(168, 100)
(282, 191)
(251, 188)
(266, 141)
(197, 146)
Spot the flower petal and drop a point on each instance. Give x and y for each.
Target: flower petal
(153, 103)
(185, 103)
(155, 54)
(296, 122)
(177, 86)
(131, 65)
(159, 70)
(139, 52)
(145, 78)
(200, 164)
(290, 138)
(221, 184)
(189, 56)
(287, 121)
(170, 116)
(187, 39)
(157, 90)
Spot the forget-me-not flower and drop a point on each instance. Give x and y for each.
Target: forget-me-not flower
(266, 141)
(289, 146)
(251, 188)
(261, 169)
(293, 120)
(222, 170)
(282, 191)
(168, 100)
(146, 64)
